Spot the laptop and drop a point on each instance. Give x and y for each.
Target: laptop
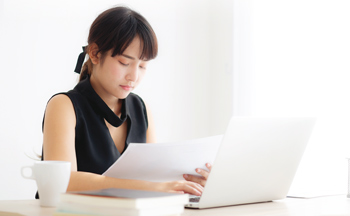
(256, 161)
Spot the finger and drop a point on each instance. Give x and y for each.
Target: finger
(197, 179)
(184, 187)
(192, 189)
(176, 191)
(204, 173)
(199, 187)
(208, 165)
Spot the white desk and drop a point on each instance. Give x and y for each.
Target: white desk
(325, 206)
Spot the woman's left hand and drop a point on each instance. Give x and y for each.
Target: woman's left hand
(202, 180)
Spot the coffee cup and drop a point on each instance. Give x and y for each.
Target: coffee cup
(52, 178)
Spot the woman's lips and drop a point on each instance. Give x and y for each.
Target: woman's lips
(127, 87)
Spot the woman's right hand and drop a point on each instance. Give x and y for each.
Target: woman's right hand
(181, 187)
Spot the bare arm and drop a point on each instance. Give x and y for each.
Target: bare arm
(59, 144)
(59, 131)
(151, 134)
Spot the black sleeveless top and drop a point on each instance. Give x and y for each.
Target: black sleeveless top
(94, 146)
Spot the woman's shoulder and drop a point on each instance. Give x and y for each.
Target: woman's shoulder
(134, 99)
(71, 97)
(137, 107)
(60, 101)
(134, 96)
(59, 111)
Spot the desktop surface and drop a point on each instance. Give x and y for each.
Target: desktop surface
(325, 206)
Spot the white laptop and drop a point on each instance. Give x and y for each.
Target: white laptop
(256, 161)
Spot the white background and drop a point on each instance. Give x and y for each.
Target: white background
(216, 59)
(296, 63)
(188, 86)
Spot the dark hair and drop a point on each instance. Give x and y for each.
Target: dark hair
(115, 29)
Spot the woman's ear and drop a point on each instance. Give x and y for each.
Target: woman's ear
(94, 54)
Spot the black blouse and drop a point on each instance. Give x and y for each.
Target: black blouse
(94, 146)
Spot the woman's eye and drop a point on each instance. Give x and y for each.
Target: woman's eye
(142, 67)
(125, 64)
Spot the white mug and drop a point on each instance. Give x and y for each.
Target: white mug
(52, 178)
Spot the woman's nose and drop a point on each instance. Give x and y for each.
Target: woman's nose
(132, 74)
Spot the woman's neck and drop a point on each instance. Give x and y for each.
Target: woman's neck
(114, 103)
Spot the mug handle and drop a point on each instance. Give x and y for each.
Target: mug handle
(27, 177)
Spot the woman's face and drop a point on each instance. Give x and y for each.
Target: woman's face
(119, 75)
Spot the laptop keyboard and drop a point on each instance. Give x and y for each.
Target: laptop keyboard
(195, 199)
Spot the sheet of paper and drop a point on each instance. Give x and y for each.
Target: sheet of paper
(165, 161)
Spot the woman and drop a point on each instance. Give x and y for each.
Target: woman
(92, 125)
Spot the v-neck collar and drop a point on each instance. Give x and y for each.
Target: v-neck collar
(85, 88)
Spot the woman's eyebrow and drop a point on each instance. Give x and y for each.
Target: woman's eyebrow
(129, 57)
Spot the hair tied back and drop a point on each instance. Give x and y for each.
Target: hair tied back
(80, 61)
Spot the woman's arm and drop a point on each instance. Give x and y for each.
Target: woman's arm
(90, 181)
(151, 134)
(59, 130)
(59, 144)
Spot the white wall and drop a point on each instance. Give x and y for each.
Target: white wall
(294, 61)
(188, 86)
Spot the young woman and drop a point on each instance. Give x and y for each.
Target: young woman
(92, 125)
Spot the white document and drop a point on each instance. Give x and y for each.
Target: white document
(159, 162)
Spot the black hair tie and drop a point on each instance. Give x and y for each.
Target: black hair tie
(80, 61)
